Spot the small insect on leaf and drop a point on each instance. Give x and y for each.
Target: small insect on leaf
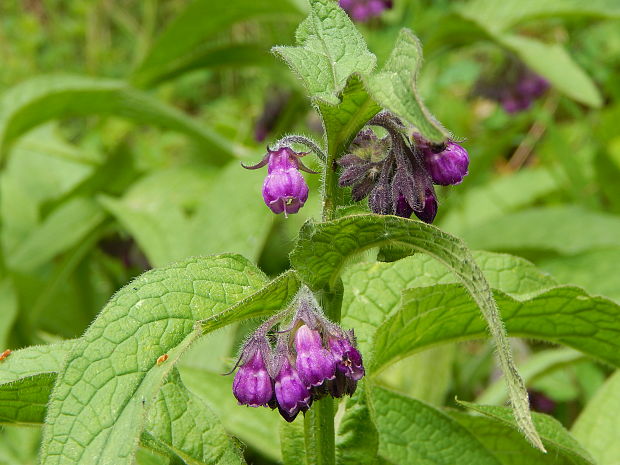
(5, 354)
(162, 359)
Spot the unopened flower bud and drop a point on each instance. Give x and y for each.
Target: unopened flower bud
(428, 212)
(314, 363)
(448, 166)
(252, 384)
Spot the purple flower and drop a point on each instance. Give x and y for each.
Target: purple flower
(252, 384)
(362, 10)
(314, 363)
(348, 359)
(292, 395)
(285, 189)
(449, 166)
(428, 212)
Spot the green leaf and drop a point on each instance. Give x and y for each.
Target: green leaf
(558, 441)
(45, 98)
(344, 120)
(355, 444)
(111, 376)
(67, 225)
(323, 249)
(499, 196)
(330, 50)
(594, 270)
(394, 87)
(554, 63)
(445, 313)
(186, 426)
(373, 290)
(213, 56)
(200, 21)
(597, 426)
(413, 432)
(501, 16)
(556, 229)
(536, 366)
(257, 427)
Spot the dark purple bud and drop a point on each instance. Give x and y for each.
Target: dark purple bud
(532, 85)
(402, 208)
(353, 174)
(428, 212)
(449, 166)
(285, 191)
(291, 393)
(515, 104)
(362, 189)
(314, 363)
(341, 385)
(252, 384)
(348, 359)
(380, 199)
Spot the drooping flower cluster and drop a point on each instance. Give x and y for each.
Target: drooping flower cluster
(363, 10)
(285, 189)
(527, 89)
(514, 86)
(313, 358)
(397, 176)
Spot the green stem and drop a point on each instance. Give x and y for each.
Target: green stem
(319, 433)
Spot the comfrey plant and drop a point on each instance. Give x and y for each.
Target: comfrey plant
(120, 388)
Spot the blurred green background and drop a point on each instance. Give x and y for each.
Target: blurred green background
(122, 125)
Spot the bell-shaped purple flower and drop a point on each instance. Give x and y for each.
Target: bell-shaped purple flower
(252, 384)
(314, 363)
(348, 359)
(285, 191)
(449, 166)
(292, 395)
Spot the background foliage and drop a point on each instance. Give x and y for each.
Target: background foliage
(122, 125)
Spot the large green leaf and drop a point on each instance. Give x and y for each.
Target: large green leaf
(323, 249)
(445, 313)
(558, 441)
(556, 65)
(111, 376)
(565, 229)
(598, 425)
(188, 428)
(330, 50)
(499, 16)
(66, 226)
(45, 98)
(394, 87)
(373, 291)
(413, 432)
(201, 21)
(257, 427)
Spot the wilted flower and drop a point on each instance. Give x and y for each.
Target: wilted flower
(285, 189)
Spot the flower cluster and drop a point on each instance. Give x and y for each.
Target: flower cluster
(363, 10)
(396, 176)
(513, 86)
(313, 358)
(285, 189)
(528, 88)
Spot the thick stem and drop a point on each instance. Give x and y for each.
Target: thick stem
(319, 433)
(331, 193)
